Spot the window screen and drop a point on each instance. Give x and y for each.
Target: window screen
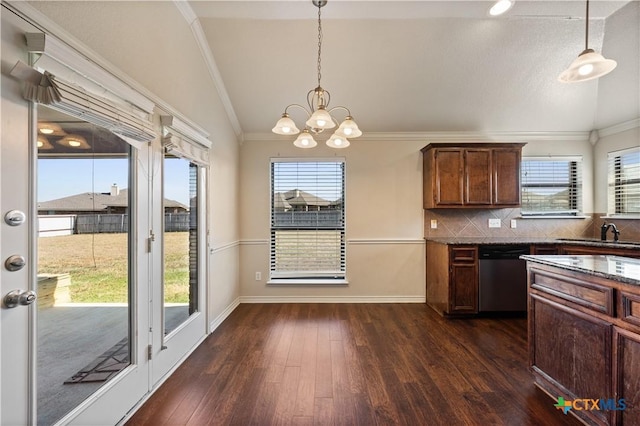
(307, 219)
(551, 186)
(624, 182)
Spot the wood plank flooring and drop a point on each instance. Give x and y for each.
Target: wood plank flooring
(354, 364)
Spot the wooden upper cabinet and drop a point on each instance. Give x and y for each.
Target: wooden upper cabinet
(473, 175)
(449, 185)
(506, 176)
(478, 176)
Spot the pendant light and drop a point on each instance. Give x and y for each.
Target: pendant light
(319, 114)
(589, 64)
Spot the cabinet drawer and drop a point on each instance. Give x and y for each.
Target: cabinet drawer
(589, 295)
(630, 308)
(464, 254)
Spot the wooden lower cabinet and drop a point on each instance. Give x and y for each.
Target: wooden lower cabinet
(584, 343)
(452, 278)
(627, 375)
(571, 354)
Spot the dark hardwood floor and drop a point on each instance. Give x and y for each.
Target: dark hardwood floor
(354, 364)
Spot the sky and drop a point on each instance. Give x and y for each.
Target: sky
(63, 177)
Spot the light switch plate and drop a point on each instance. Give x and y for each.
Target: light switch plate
(513, 223)
(434, 223)
(495, 223)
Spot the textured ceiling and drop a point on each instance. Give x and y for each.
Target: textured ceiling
(426, 66)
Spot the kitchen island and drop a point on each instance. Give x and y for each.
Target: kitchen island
(584, 335)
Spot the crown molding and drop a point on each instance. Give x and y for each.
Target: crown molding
(619, 128)
(209, 60)
(452, 136)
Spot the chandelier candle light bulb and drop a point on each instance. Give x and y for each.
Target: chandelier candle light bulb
(319, 114)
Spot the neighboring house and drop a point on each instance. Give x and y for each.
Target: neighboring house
(114, 202)
(297, 200)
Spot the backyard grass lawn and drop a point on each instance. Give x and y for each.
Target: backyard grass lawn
(97, 264)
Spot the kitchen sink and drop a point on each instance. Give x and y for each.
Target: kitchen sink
(597, 240)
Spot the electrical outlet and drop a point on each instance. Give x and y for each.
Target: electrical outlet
(258, 276)
(513, 223)
(434, 223)
(495, 223)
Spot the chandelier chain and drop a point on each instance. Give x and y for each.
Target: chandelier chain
(319, 45)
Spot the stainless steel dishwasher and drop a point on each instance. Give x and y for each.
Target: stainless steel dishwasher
(503, 278)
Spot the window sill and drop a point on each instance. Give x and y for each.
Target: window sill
(308, 282)
(614, 217)
(552, 217)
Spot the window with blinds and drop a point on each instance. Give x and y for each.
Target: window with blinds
(551, 186)
(624, 182)
(307, 219)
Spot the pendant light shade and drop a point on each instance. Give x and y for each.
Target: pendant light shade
(336, 141)
(321, 119)
(319, 113)
(305, 140)
(348, 128)
(589, 64)
(285, 126)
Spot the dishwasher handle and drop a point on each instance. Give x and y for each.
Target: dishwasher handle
(508, 251)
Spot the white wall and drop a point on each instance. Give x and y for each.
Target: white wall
(385, 247)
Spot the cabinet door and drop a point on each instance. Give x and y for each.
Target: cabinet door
(506, 176)
(477, 176)
(627, 376)
(463, 280)
(570, 353)
(449, 177)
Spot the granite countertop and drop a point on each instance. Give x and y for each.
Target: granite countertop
(616, 268)
(533, 240)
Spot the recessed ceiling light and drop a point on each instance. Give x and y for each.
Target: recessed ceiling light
(500, 7)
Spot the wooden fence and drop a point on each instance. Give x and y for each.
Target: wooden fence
(102, 224)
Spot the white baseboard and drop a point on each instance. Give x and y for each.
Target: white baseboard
(223, 315)
(332, 299)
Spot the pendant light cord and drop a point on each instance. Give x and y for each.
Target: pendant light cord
(586, 37)
(319, 44)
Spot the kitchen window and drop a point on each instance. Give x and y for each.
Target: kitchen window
(624, 182)
(307, 221)
(551, 186)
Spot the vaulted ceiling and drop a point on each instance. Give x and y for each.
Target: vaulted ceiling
(426, 66)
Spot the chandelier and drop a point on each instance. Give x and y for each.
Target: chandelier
(319, 114)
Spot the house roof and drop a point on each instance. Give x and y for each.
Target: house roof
(296, 197)
(96, 202)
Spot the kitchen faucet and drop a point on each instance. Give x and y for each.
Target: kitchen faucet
(605, 227)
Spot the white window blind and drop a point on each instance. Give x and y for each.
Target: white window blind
(307, 219)
(183, 141)
(551, 186)
(624, 182)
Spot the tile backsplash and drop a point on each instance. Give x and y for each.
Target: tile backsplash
(475, 223)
